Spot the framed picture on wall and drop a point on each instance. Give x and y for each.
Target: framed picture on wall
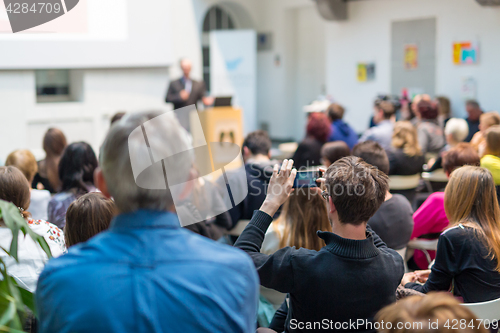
(411, 57)
(465, 53)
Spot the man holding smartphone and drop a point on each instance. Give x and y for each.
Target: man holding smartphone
(343, 285)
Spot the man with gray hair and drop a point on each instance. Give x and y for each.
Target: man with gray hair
(146, 273)
(474, 111)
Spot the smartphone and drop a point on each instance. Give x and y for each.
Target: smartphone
(306, 179)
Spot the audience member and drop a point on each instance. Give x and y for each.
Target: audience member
(303, 214)
(308, 152)
(430, 134)
(14, 187)
(393, 221)
(207, 202)
(456, 130)
(444, 110)
(436, 312)
(468, 252)
(331, 152)
(414, 107)
(382, 132)
(76, 172)
(474, 112)
(47, 177)
(258, 170)
(352, 253)
(491, 158)
(87, 216)
(486, 120)
(405, 155)
(340, 130)
(430, 218)
(145, 263)
(39, 199)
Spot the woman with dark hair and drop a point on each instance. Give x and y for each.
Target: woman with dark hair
(87, 216)
(15, 188)
(76, 173)
(308, 152)
(47, 177)
(430, 133)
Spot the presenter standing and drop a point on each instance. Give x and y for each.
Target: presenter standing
(186, 91)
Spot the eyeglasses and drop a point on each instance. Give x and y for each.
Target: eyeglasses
(325, 195)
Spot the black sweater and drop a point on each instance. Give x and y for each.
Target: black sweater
(462, 258)
(346, 280)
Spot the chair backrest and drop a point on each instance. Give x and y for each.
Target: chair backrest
(404, 182)
(423, 244)
(486, 310)
(436, 176)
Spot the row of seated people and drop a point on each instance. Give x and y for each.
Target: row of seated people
(339, 271)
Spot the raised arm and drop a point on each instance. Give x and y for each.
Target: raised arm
(275, 271)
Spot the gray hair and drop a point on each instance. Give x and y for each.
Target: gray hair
(137, 153)
(458, 128)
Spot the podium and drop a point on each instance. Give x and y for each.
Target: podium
(218, 125)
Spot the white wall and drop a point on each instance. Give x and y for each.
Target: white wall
(366, 37)
(106, 91)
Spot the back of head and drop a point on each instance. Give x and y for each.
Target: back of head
(457, 128)
(304, 213)
(472, 103)
(444, 106)
(258, 142)
(470, 198)
(318, 127)
(493, 140)
(405, 137)
(416, 314)
(14, 187)
(87, 216)
(460, 155)
(333, 151)
(427, 109)
(335, 112)
(387, 108)
(25, 161)
(54, 142)
(134, 178)
(356, 188)
(489, 119)
(372, 153)
(76, 167)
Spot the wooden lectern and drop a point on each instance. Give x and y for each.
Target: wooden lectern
(218, 124)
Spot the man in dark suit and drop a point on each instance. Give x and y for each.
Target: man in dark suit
(186, 91)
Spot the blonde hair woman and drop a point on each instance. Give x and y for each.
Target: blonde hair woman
(468, 252)
(491, 158)
(486, 120)
(405, 155)
(303, 214)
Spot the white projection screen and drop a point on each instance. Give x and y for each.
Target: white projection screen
(86, 34)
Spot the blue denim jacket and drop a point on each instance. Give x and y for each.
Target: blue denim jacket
(147, 274)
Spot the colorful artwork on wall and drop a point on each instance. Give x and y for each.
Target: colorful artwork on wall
(411, 57)
(366, 72)
(465, 53)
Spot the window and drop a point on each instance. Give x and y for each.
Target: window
(215, 19)
(56, 85)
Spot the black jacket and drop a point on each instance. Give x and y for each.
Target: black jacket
(404, 165)
(462, 258)
(345, 281)
(173, 96)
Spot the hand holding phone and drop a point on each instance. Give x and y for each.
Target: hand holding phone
(306, 179)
